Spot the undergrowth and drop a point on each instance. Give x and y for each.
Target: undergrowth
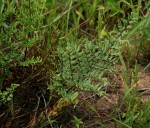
(52, 51)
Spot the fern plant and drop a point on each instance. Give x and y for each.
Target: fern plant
(135, 29)
(19, 26)
(7, 95)
(83, 66)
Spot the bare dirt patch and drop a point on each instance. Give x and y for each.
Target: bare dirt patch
(105, 105)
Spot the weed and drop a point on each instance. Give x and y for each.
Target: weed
(71, 46)
(135, 112)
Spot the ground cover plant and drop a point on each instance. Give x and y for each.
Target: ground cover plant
(54, 52)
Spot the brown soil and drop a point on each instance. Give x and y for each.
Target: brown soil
(105, 105)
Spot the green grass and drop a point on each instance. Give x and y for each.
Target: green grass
(54, 49)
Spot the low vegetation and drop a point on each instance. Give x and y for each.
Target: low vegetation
(53, 52)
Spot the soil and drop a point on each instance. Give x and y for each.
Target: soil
(105, 105)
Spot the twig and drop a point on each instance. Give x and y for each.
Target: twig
(145, 91)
